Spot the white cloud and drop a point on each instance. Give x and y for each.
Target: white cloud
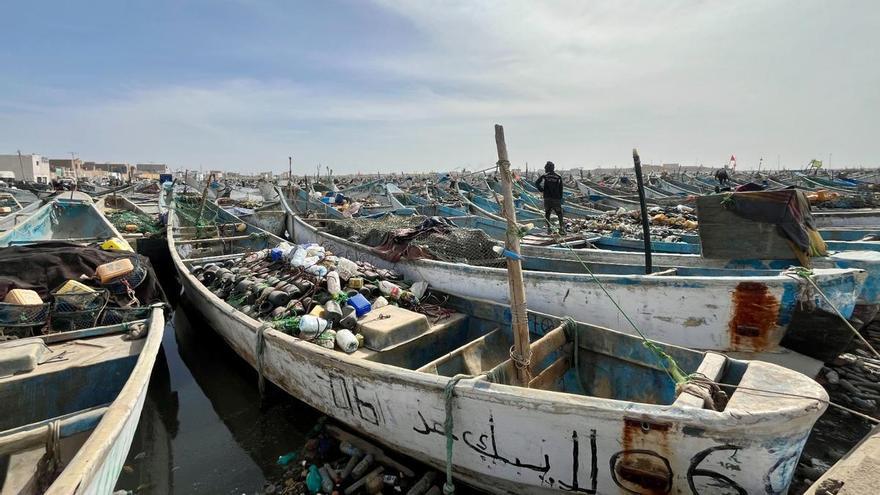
(577, 82)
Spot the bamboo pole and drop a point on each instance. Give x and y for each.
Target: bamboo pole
(520, 323)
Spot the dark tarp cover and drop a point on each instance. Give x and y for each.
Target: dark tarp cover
(789, 210)
(44, 267)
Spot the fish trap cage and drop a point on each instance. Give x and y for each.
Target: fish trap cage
(115, 316)
(20, 320)
(77, 310)
(126, 284)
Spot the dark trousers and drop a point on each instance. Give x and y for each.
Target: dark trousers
(551, 205)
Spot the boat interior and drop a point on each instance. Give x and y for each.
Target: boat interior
(54, 390)
(74, 220)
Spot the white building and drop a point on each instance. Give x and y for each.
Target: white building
(26, 167)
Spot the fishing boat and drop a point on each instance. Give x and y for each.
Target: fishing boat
(59, 436)
(727, 310)
(71, 216)
(599, 416)
(76, 374)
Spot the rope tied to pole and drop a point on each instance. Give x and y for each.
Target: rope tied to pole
(522, 362)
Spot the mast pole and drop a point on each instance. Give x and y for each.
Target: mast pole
(521, 353)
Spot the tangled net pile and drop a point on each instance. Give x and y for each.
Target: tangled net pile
(144, 224)
(445, 243)
(371, 232)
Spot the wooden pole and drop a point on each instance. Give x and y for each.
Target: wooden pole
(519, 318)
(646, 228)
(204, 197)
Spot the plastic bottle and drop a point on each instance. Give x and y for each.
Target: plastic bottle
(361, 468)
(311, 326)
(348, 449)
(285, 459)
(346, 341)
(317, 270)
(298, 257)
(326, 479)
(389, 289)
(333, 285)
(313, 479)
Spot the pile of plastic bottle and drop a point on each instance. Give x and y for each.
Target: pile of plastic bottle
(307, 292)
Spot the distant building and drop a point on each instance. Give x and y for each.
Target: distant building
(156, 168)
(26, 167)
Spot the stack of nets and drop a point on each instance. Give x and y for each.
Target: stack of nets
(453, 244)
(144, 224)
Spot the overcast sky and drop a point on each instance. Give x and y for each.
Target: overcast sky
(417, 85)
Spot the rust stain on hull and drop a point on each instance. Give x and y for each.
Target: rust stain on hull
(642, 466)
(753, 319)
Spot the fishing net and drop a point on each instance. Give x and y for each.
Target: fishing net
(188, 206)
(371, 232)
(115, 316)
(22, 320)
(415, 236)
(131, 221)
(77, 310)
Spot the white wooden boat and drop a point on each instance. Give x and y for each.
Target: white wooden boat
(601, 418)
(735, 312)
(77, 410)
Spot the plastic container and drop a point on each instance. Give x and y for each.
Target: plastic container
(332, 312)
(360, 304)
(74, 287)
(114, 269)
(346, 341)
(346, 268)
(327, 339)
(311, 326)
(318, 311)
(356, 282)
(276, 254)
(379, 302)
(333, 285)
(313, 479)
(23, 297)
(115, 244)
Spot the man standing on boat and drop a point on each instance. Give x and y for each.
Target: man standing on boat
(721, 176)
(551, 185)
